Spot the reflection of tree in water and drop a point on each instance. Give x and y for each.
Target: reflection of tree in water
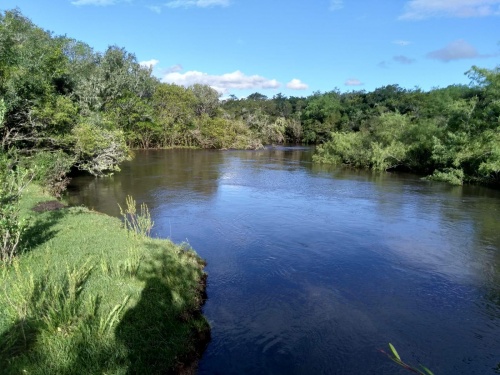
(167, 175)
(279, 155)
(473, 211)
(479, 208)
(151, 175)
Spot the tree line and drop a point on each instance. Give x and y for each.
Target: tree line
(449, 134)
(64, 105)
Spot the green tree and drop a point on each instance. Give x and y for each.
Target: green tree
(207, 100)
(174, 111)
(98, 147)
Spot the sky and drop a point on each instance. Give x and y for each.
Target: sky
(293, 47)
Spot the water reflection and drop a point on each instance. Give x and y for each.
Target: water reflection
(311, 268)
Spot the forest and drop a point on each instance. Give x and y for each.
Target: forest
(64, 106)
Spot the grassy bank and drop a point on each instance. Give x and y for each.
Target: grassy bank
(89, 297)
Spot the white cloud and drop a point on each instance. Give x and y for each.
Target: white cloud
(456, 50)
(155, 8)
(222, 83)
(403, 59)
(336, 4)
(421, 9)
(402, 43)
(297, 84)
(353, 82)
(149, 63)
(95, 2)
(175, 68)
(197, 3)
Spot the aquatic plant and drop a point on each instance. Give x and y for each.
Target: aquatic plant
(394, 356)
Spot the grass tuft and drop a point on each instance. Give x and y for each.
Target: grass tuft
(138, 223)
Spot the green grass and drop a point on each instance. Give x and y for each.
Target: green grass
(87, 296)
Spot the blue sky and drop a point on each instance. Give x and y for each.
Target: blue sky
(294, 47)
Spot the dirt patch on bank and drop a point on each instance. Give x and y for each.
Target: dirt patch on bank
(48, 206)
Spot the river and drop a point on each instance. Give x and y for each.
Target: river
(313, 269)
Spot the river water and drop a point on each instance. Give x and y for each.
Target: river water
(313, 269)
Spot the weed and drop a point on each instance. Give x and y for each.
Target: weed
(394, 356)
(12, 184)
(138, 223)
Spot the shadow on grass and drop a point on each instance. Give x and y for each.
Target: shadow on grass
(45, 305)
(41, 230)
(167, 319)
(58, 331)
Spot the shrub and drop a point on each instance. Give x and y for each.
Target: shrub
(98, 149)
(51, 170)
(449, 175)
(12, 183)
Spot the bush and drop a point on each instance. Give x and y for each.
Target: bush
(345, 148)
(51, 170)
(12, 183)
(99, 150)
(449, 175)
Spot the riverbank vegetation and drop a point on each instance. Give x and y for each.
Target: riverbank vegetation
(450, 134)
(87, 294)
(64, 106)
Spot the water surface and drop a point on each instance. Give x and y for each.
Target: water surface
(313, 269)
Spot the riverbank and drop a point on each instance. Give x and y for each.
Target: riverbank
(88, 295)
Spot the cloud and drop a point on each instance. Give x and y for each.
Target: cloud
(222, 83)
(403, 59)
(297, 84)
(155, 8)
(353, 82)
(421, 9)
(456, 50)
(383, 64)
(336, 4)
(402, 43)
(95, 2)
(175, 68)
(149, 63)
(197, 3)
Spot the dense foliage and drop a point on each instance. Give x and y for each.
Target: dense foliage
(63, 105)
(450, 134)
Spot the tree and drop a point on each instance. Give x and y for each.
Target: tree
(207, 100)
(174, 112)
(99, 148)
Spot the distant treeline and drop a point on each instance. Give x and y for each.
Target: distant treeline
(64, 105)
(450, 134)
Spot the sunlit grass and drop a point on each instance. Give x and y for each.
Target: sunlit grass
(88, 297)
